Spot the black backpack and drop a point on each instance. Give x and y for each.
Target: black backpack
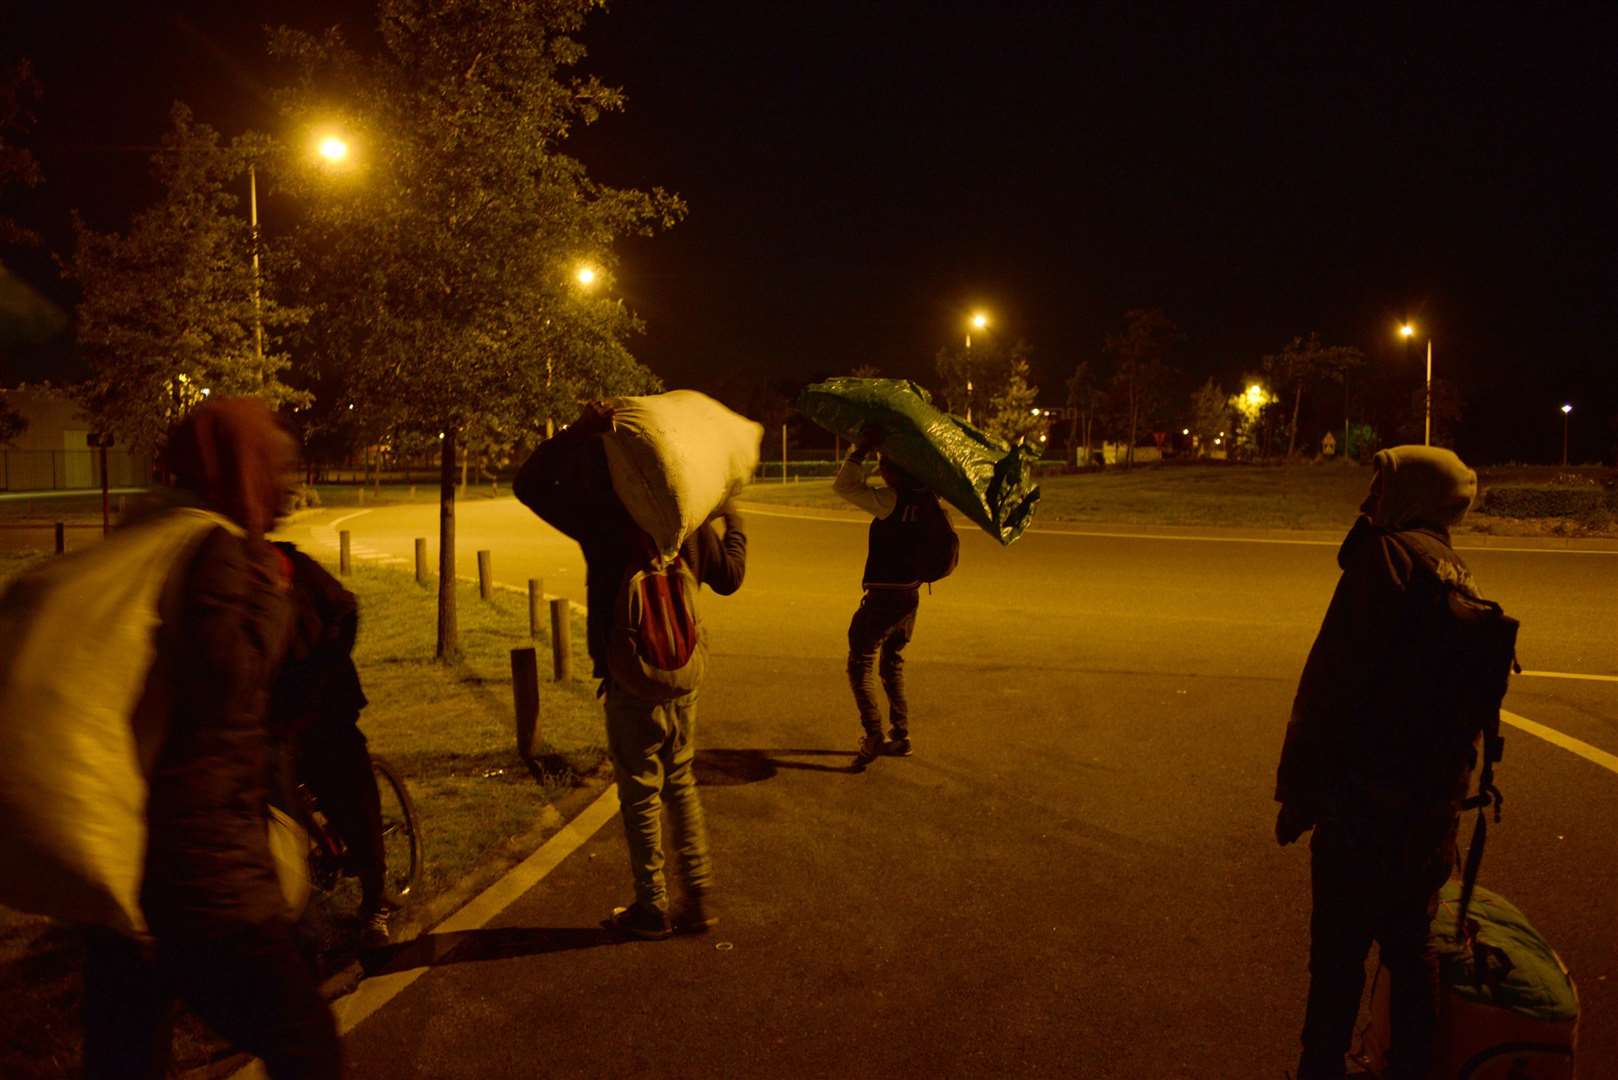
(937, 547)
(1476, 643)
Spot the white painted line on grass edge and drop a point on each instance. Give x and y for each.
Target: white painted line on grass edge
(1566, 742)
(374, 993)
(1570, 675)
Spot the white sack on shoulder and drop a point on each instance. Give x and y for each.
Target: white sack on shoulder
(79, 633)
(675, 458)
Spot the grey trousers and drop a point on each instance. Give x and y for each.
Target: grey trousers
(652, 749)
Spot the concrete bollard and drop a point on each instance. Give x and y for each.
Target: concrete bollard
(485, 574)
(61, 537)
(360, 491)
(421, 560)
(345, 559)
(525, 697)
(536, 600)
(562, 638)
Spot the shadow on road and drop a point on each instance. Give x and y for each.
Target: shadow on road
(717, 768)
(492, 943)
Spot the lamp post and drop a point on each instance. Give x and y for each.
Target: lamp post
(1427, 426)
(1566, 410)
(334, 150)
(586, 276)
(977, 322)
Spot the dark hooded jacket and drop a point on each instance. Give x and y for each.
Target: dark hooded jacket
(1371, 732)
(226, 620)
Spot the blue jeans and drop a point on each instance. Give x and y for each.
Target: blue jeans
(652, 747)
(880, 630)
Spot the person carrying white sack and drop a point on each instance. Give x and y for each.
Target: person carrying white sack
(649, 656)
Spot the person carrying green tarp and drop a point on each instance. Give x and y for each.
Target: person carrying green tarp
(925, 454)
(985, 478)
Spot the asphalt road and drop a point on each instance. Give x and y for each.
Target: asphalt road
(1074, 876)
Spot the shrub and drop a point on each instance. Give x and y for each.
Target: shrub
(1542, 501)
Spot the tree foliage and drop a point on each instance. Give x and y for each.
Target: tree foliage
(1011, 411)
(18, 169)
(18, 166)
(441, 263)
(1085, 398)
(1251, 408)
(1142, 373)
(1303, 363)
(168, 309)
(1210, 416)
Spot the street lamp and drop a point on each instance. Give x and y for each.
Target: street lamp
(978, 321)
(333, 149)
(1427, 424)
(1566, 409)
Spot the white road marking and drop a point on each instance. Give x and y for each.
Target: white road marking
(376, 992)
(1041, 531)
(1570, 675)
(1566, 742)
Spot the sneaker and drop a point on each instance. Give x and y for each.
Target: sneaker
(870, 748)
(374, 933)
(899, 747)
(696, 917)
(638, 920)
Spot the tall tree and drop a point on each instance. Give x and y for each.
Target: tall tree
(1084, 400)
(18, 166)
(1011, 412)
(1301, 364)
(1140, 352)
(1251, 407)
(170, 307)
(1210, 415)
(444, 262)
(18, 169)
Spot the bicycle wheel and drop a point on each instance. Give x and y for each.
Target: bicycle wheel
(401, 830)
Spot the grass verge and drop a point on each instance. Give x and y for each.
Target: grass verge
(451, 731)
(1323, 497)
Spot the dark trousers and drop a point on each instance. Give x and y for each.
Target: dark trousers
(250, 984)
(880, 630)
(1374, 883)
(335, 762)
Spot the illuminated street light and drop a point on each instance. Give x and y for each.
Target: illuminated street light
(1407, 331)
(333, 148)
(977, 322)
(1566, 411)
(1256, 395)
(586, 276)
(1035, 411)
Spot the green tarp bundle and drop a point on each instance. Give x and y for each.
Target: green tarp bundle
(983, 477)
(1536, 985)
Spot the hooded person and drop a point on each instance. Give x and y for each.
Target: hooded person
(221, 935)
(1374, 763)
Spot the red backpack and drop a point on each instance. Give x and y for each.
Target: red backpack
(656, 650)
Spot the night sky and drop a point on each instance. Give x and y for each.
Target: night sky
(861, 175)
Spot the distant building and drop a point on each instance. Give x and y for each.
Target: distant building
(54, 453)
